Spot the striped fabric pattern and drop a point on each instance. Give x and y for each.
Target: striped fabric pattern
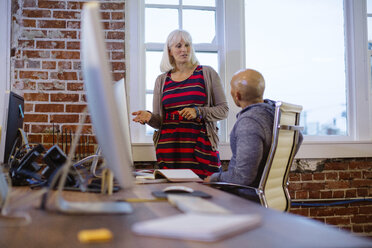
(184, 144)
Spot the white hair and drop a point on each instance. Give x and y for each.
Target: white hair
(167, 63)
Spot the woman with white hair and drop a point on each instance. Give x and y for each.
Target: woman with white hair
(188, 101)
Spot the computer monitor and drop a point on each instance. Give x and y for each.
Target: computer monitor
(109, 117)
(14, 105)
(108, 112)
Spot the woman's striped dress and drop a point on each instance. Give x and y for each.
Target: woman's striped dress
(184, 144)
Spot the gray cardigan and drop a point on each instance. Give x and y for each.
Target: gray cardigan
(215, 109)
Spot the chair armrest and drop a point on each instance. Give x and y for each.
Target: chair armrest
(224, 185)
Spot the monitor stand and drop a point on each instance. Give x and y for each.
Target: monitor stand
(83, 207)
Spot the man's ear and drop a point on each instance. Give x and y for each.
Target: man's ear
(238, 96)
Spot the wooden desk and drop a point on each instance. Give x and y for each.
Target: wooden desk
(53, 229)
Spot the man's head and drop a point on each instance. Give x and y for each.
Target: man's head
(247, 87)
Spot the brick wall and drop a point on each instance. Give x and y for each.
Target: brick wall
(46, 69)
(45, 62)
(337, 179)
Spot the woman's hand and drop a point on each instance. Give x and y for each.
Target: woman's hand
(188, 113)
(207, 179)
(142, 116)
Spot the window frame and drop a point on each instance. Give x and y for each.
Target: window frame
(359, 141)
(5, 19)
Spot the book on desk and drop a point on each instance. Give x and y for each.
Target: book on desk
(168, 175)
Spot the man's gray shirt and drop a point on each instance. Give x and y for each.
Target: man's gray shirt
(250, 142)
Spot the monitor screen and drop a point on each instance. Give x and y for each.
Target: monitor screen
(107, 107)
(14, 105)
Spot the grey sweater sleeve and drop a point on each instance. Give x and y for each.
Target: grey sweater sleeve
(249, 148)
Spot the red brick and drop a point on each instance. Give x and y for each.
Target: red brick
(51, 24)
(361, 183)
(112, 6)
(338, 185)
(302, 195)
(362, 219)
(36, 13)
(41, 128)
(51, 4)
(367, 174)
(360, 164)
(358, 228)
(115, 45)
(35, 118)
(65, 55)
(368, 228)
(26, 43)
(33, 64)
(118, 76)
(64, 75)
(319, 176)
(117, 55)
(117, 15)
(29, 3)
(362, 192)
(73, 24)
(33, 74)
(115, 35)
(75, 5)
(314, 194)
(338, 194)
(29, 107)
(34, 138)
(49, 108)
(338, 220)
(326, 194)
(48, 65)
(295, 186)
(19, 64)
(29, 23)
(64, 118)
(331, 175)
(51, 86)
(36, 54)
(118, 66)
(48, 44)
(313, 186)
(74, 45)
(87, 129)
(346, 211)
(75, 108)
(64, 65)
(105, 16)
(62, 97)
(75, 86)
(316, 212)
(300, 211)
(41, 97)
(365, 210)
(76, 65)
(336, 166)
(349, 193)
(67, 14)
(24, 85)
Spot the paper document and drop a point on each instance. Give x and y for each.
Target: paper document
(198, 227)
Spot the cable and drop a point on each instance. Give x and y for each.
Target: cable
(328, 204)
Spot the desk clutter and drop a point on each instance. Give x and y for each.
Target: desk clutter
(35, 166)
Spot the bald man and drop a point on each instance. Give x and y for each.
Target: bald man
(250, 138)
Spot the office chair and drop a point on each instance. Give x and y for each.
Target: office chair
(272, 191)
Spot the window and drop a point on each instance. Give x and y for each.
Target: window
(177, 14)
(159, 18)
(299, 47)
(326, 40)
(369, 26)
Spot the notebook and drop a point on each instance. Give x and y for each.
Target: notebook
(172, 175)
(197, 227)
